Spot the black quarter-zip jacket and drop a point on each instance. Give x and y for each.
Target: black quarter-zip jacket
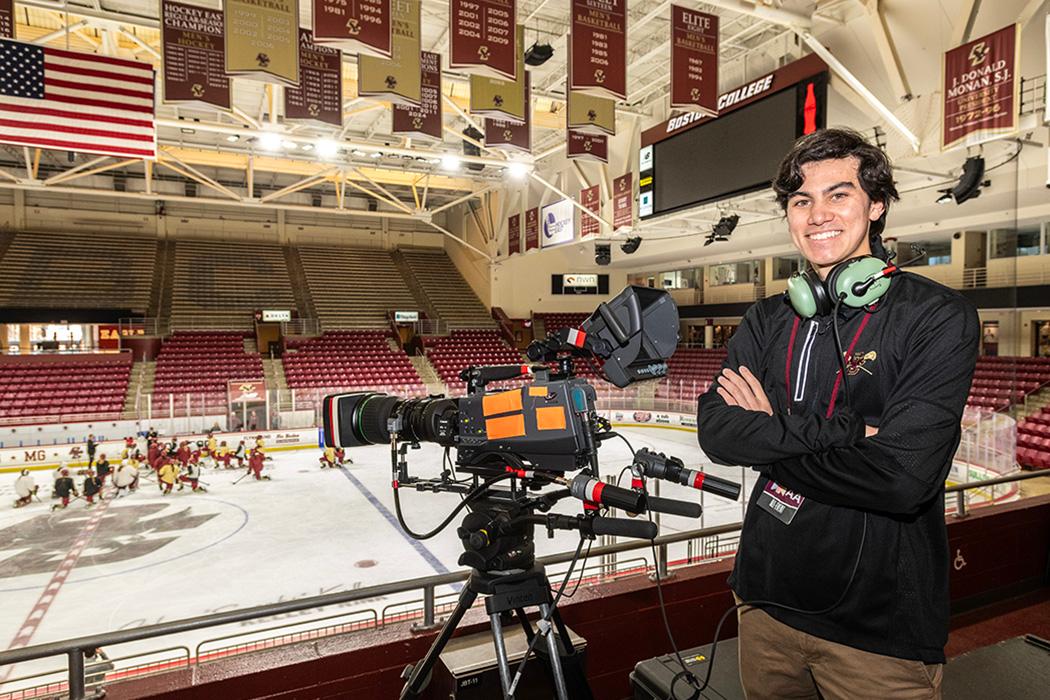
(909, 373)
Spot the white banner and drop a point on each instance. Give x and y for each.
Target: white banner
(579, 280)
(557, 222)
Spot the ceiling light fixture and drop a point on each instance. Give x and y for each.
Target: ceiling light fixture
(327, 148)
(269, 141)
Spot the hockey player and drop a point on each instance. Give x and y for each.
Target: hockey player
(91, 446)
(211, 446)
(102, 468)
(126, 477)
(25, 489)
(168, 475)
(328, 459)
(92, 488)
(240, 454)
(340, 456)
(183, 454)
(151, 434)
(222, 455)
(64, 486)
(259, 444)
(192, 476)
(255, 464)
(153, 453)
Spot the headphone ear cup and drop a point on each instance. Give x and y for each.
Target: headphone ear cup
(803, 296)
(825, 302)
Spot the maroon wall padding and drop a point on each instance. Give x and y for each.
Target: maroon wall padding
(142, 348)
(1005, 549)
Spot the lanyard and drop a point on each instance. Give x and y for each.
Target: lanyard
(838, 373)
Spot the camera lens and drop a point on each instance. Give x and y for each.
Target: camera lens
(353, 420)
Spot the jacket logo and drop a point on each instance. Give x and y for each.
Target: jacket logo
(855, 363)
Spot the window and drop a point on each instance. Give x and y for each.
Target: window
(1002, 243)
(1028, 241)
(734, 273)
(937, 253)
(783, 268)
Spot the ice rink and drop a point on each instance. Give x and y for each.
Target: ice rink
(144, 558)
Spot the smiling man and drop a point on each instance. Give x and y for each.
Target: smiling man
(844, 552)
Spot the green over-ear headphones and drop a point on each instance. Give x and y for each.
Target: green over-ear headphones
(859, 281)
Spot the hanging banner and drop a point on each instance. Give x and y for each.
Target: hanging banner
(481, 38)
(356, 26)
(694, 60)
(587, 146)
(532, 228)
(598, 47)
(591, 199)
(623, 201)
(426, 119)
(262, 40)
(557, 220)
(7, 19)
(509, 136)
(501, 99)
(319, 97)
(981, 89)
(398, 78)
(513, 234)
(193, 55)
(1046, 90)
(588, 114)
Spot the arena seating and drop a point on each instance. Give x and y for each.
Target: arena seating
(452, 298)
(999, 382)
(466, 347)
(201, 364)
(690, 373)
(45, 386)
(219, 284)
(552, 322)
(354, 287)
(350, 360)
(77, 271)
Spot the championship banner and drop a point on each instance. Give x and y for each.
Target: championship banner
(981, 89)
(426, 119)
(319, 97)
(588, 114)
(513, 234)
(193, 55)
(532, 228)
(598, 47)
(509, 136)
(396, 79)
(587, 146)
(623, 201)
(7, 19)
(502, 99)
(591, 199)
(694, 60)
(262, 40)
(482, 39)
(356, 26)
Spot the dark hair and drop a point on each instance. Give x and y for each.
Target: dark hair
(874, 172)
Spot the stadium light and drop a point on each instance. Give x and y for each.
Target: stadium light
(450, 161)
(517, 170)
(269, 141)
(327, 148)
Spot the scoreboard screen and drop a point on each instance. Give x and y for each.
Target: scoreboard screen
(735, 153)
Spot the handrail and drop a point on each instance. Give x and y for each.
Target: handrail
(73, 648)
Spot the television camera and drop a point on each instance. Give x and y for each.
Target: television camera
(525, 439)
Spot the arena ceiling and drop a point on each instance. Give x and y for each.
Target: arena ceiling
(889, 49)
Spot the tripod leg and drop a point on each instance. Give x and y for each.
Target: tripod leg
(555, 655)
(420, 675)
(501, 655)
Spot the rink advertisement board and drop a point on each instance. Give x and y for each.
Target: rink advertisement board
(598, 48)
(557, 221)
(481, 38)
(7, 20)
(694, 60)
(357, 26)
(194, 55)
(981, 89)
(319, 97)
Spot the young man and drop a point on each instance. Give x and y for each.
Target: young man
(255, 464)
(845, 525)
(167, 476)
(102, 468)
(192, 476)
(63, 488)
(92, 488)
(91, 446)
(126, 477)
(328, 458)
(25, 489)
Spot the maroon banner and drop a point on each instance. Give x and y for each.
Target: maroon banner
(7, 19)
(358, 26)
(194, 55)
(481, 37)
(694, 60)
(532, 228)
(426, 119)
(598, 48)
(623, 201)
(513, 234)
(981, 89)
(587, 146)
(509, 136)
(591, 199)
(319, 96)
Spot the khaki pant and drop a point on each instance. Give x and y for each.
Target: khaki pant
(779, 662)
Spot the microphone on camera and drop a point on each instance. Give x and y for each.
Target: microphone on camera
(591, 490)
(658, 466)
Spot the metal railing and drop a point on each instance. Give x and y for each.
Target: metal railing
(74, 648)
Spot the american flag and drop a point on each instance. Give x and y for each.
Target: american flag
(50, 98)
